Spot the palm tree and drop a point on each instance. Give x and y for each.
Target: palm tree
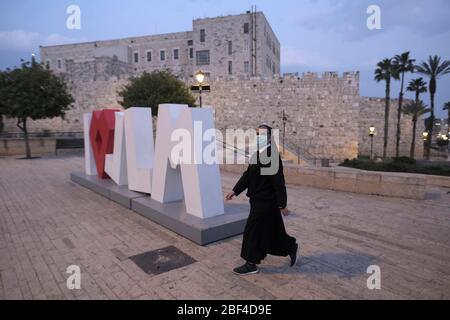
(384, 72)
(418, 86)
(447, 107)
(433, 69)
(403, 63)
(415, 110)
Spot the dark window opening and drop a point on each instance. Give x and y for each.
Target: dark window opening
(202, 35)
(246, 27)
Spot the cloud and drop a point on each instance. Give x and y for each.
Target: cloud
(21, 40)
(348, 18)
(291, 56)
(18, 40)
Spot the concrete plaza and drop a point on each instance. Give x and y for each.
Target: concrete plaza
(48, 223)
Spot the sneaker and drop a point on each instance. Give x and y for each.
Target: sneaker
(247, 268)
(294, 255)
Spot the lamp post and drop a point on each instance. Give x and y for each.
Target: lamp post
(200, 77)
(284, 130)
(425, 136)
(371, 134)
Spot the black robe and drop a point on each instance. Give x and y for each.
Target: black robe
(264, 231)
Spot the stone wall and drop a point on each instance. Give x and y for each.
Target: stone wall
(93, 84)
(326, 117)
(372, 113)
(322, 112)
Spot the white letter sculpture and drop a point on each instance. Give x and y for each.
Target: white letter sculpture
(200, 182)
(153, 169)
(140, 148)
(166, 186)
(89, 162)
(116, 163)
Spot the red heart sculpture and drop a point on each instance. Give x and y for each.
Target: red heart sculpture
(101, 134)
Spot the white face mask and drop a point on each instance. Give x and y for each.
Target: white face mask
(262, 140)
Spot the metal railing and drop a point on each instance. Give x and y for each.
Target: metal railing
(43, 134)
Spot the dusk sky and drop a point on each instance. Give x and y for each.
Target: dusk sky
(315, 35)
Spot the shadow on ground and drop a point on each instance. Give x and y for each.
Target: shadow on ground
(345, 265)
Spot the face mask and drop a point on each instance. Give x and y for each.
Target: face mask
(262, 140)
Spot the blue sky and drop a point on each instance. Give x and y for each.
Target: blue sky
(315, 35)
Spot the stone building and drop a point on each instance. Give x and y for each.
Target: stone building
(241, 44)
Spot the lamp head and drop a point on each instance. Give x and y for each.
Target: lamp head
(200, 77)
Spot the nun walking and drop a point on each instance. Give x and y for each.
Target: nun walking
(264, 231)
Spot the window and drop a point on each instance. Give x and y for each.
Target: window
(246, 66)
(191, 53)
(190, 42)
(246, 45)
(47, 64)
(202, 57)
(246, 27)
(230, 47)
(59, 63)
(162, 55)
(176, 53)
(136, 57)
(202, 35)
(230, 67)
(149, 56)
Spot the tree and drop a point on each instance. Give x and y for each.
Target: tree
(33, 92)
(403, 63)
(385, 72)
(152, 89)
(433, 69)
(415, 110)
(447, 107)
(418, 86)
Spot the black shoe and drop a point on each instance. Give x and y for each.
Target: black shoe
(294, 255)
(247, 268)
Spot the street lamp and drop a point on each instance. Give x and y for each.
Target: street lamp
(200, 77)
(284, 130)
(371, 134)
(425, 136)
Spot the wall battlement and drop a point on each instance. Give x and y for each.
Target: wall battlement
(351, 75)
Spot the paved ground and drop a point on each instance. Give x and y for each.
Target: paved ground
(48, 223)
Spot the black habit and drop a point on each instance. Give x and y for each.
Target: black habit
(264, 231)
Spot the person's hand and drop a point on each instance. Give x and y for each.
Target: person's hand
(285, 211)
(230, 196)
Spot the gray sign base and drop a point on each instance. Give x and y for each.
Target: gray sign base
(173, 215)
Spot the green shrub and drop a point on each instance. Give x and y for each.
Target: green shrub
(406, 160)
(402, 164)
